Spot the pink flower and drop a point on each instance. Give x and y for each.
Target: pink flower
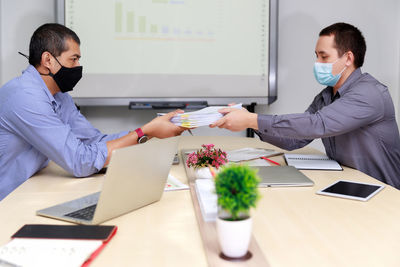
(208, 155)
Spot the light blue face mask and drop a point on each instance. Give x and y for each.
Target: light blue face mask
(323, 73)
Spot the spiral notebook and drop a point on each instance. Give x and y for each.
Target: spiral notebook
(312, 162)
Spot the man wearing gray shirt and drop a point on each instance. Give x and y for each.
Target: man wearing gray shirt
(354, 115)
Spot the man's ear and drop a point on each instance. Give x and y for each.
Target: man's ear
(46, 60)
(349, 58)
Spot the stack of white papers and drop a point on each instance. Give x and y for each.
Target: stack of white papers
(202, 117)
(174, 184)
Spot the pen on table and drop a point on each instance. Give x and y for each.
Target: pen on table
(190, 131)
(270, 160)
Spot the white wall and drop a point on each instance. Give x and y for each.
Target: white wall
(299, 28)
(19, 19)
(299, 25)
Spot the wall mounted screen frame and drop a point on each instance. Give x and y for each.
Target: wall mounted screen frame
(115, 67)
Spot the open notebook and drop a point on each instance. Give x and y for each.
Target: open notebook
(312, 162)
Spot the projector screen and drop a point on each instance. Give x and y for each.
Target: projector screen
(213, 50)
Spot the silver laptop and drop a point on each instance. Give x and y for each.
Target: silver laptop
(282, 176)
(135, 177)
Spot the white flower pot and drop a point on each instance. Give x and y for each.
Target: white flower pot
(234, 236)
(203, 173)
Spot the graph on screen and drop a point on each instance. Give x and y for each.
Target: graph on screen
(135, 22)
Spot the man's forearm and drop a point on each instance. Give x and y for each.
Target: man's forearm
(124, 141)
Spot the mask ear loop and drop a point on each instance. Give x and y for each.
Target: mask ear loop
(22, 54)
(50, 73)
(58, 61)
(345, 67)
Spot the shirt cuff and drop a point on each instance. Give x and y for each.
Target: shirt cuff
(265, 123)
(101, 157)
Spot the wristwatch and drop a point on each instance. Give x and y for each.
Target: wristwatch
(142, 138)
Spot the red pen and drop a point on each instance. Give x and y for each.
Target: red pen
(270, 160)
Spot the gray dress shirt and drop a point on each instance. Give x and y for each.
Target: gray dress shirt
(357, 126)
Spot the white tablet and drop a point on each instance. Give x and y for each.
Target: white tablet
(352, 190)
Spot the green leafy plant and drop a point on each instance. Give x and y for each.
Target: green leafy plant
(237, 191)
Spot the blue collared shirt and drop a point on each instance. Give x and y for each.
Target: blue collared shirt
(36, 127)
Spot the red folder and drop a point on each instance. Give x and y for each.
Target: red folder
(83, 232)
(97, 251)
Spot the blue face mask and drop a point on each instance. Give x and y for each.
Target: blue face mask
(323, 73)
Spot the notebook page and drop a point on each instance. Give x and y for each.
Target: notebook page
(34, 252)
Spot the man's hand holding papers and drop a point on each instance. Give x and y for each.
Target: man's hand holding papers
(202, 117)
(236, 119)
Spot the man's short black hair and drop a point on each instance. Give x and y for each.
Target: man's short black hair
(50, 37)
(347, 38)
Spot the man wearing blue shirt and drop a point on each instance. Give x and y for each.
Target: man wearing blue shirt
(40, 122)
(353, 115)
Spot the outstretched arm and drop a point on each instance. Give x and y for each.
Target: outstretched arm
(160, 127)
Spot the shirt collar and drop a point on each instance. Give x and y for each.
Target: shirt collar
(328, 91)
(36, 75)
(354, 76)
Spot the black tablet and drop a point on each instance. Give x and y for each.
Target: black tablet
(96, 232)
(351, 190)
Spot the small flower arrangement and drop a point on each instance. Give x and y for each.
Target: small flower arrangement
(208, 155)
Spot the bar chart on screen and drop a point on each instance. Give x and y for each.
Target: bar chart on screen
(178, 21)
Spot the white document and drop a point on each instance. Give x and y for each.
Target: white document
(174, 184)
(312, 162)
(249, 153)
(202, 117)
(36, 252)
(205, 190)
(257, 163)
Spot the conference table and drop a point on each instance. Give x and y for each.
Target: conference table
(293, 226)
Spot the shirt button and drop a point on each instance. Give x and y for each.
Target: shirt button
(265, 130)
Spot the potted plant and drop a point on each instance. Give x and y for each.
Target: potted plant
(237, 189)
(204, 158)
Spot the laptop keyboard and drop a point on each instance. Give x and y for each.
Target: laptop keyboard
(85, 213)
